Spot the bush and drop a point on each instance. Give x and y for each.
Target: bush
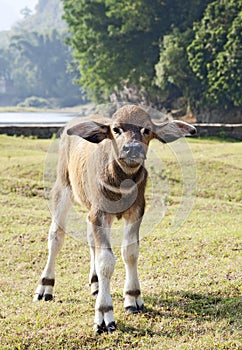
(35, 101)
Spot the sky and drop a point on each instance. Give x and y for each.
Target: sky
(10, 11)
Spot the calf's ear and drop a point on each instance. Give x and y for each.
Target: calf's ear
(90, 131)
(173, 130)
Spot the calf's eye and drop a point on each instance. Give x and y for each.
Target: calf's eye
(117, 131)
(145, 131)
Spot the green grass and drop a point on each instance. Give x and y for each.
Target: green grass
(18, 109)
(191, 276)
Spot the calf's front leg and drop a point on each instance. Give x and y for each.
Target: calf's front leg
(104, 267)
(133, 302)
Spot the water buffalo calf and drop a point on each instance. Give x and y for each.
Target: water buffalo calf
(101, 165)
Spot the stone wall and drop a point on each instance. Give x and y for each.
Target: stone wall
(233, 131)
(40, 131)
(223, 116)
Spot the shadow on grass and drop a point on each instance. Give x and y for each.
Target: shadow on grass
(125, 327)
(193, 305)
(177, 313)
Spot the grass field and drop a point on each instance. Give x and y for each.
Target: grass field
(18, 109)
(191, 277)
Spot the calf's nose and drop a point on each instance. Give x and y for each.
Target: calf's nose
(133, 150)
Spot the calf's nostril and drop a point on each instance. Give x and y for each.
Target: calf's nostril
(126, 148)
(139, 149)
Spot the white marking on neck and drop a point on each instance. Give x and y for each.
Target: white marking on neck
(117, 189)
(129, 170)
(122, 190)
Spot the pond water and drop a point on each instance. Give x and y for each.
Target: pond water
(36, 118)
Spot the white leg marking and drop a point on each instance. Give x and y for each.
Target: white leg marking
(104, 266)
(105, 263)
(130, 253)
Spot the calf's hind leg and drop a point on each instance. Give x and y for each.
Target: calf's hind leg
(62, 204)
(93, 279)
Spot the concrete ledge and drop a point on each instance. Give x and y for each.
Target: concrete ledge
(43, 131)
(233, 131)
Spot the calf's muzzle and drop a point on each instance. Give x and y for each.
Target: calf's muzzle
(133, 150)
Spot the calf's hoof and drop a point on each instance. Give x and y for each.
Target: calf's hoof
(48, 297)
(45, 297)
(134, 310)
(45, 289)
(111, 327)
(99, 329)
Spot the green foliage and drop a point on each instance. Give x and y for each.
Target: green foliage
(36, 61)
(34, 101)
(117, 42)
(136, 50)
(40, 66)
(173, 69)
(109, 56)
(5, 64)
(48, 16)
(151, 50)
(215, 54)
(4, 39)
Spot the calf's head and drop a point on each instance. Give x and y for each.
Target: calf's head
(131, 129)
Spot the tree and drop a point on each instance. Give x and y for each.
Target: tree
(110, 49)
(215, 54)
(43, 60)
(26, 12)
(173, 72)
(5, 64)
(117, 41)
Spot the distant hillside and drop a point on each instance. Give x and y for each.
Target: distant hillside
(48, 16)
(4, 38)
(34, 61)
